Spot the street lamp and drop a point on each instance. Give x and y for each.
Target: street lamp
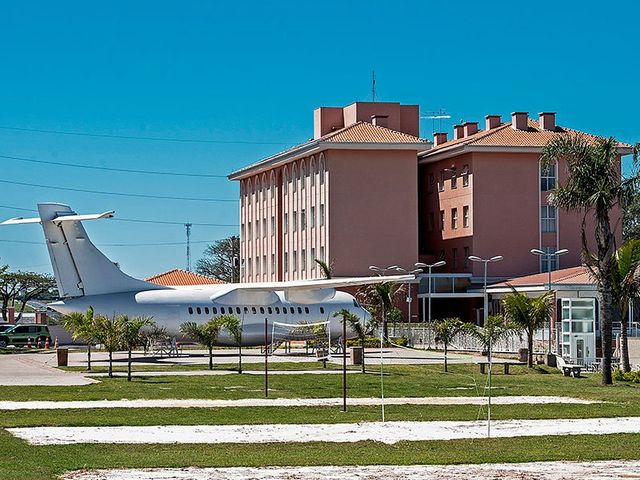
(441, 263)
(541, 254)
(380, 270)
(409, 297)
(486, 261)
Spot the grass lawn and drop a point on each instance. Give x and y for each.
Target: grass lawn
(22, 461)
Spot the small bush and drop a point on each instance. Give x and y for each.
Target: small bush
(374, 342)
(620, 376)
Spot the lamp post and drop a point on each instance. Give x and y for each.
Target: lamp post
(441, 263)
(409, 297)
(485, 315)
(541, 254)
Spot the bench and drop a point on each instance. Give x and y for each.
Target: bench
(568, 369)
(505, 364)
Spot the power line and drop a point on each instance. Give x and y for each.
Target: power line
(136, 137)
(112, 169)
(158, 244)
(119, 194)
(137, 220)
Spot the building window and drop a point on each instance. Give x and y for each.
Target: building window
(264, 227)
(321, 214)
(294, 178)
(548, 262)
(454, 178)
(313, 217)
(431, 183)
(465, 176)
(431, 222)
(322, 254)
(466, 257)
(313, 259)
(257, 265)
(285, 225)
(264, 264)
(286, 261)
(250, 230)
(548, 218)
(454, 258)
(303, 177)
(303, 258)
(273, 262)
(295, 261)
(303, 219)
(441, 255)
(441, 182)
(454, 218)
(295, 220)
(273, 224)
(465, 216)
(547, 177)
(442, 220)
(321, 171)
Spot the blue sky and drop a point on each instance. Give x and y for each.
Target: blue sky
(253, 72)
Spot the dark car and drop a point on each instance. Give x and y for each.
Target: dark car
(6, 326)
(19, 335)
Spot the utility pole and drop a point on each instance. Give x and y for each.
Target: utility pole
(188, 229)
(373, 86)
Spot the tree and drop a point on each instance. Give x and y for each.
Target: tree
(152, 335)
(221, 260)
(82, 325)
(327, 270)
(528, 314)
(109, 334)
(379, 299)
(130, 336)
(494, 330)
(232, 324)
(353, 322)
(631, 217)
(205, 334)
(626, 286)
(594, 186)
(446, 329)
(22, 287)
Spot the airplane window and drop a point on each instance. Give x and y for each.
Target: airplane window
(214, 310)
(299, 309)
(206, 310)
(269, 310)
(199, 310)
(321, 309)
(306, 310)
(238, 310)
(277, 310)
(246, 309)
(253, 310)
(190, 311)
(292, 310)
(222, 310)
(262, 310)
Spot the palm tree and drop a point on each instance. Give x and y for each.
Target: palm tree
(205, 334)
(109, 334)
(327, 270)
(626, 286)
(528, 314)
(594, 186)
(379, 298)
(81, 325)
(130, 335)
(353, 322)
(446, 329)
(495, 328)
(232, 324)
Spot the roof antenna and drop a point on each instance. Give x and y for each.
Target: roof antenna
(188, 229)
(373, 86)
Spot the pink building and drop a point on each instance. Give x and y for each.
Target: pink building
(348, 197)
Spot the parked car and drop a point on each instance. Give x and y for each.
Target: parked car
(6, 326)
(19, 335)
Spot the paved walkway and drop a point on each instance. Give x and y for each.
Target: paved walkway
(385, 432)
(284, 402)
(37, 369)
(614, 469)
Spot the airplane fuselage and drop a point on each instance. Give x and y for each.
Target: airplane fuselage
(172, 307)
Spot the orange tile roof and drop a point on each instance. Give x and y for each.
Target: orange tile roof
(357, 133)
(505, 136)
(178, 277)
(567, 276)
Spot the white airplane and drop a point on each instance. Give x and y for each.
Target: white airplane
(86, 277)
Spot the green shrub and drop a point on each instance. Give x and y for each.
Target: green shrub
(620, 376)
(374, 342)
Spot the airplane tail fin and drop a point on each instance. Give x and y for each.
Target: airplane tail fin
(79, 267)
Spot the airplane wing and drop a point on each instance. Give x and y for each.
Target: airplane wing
(64, 218)
(298, 291)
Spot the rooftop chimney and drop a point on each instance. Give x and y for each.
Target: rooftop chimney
(439, 139)
(470, 128)
(519, 120)
(548, 120)
(458, 132)
(492, 121)
(380, 120)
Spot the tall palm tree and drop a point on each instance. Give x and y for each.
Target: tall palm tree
(205, 334)
(82, 325)
(446, 329)
(626, 286)
(528, 313)
(494, 330)
(232, 324)
(109, 334)
(379, 298)
(327, 270)
(594, 186)
(130, 335)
